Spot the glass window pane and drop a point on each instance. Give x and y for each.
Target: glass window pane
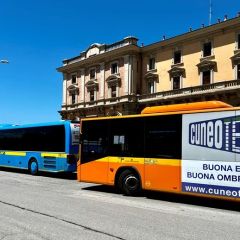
(207, 49)
(73, 98)
(163, 137)
(94, 140)
(151, 63)
(74, 79)
(238, 71)
(176, 82)
(92, 73)
(238, 41)
(114, 68)
(177, 57)
(206, 77)
(49, 139)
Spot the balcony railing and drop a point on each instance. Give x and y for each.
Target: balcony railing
(101, 102)
(218, 87)
(207, 88)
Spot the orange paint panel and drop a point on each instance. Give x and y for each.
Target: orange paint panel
(185, 107)
(163, 177)
(95, 171)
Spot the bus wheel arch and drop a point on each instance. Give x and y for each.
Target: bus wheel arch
(33, 166)
(128, 181)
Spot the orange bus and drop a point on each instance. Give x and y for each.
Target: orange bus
(191, 148)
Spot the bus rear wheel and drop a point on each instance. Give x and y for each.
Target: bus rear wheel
(129, 183)
(33, 166)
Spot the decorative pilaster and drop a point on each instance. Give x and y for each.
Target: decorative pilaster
(102, 81)
(64, 101)
(82, 85)
(126, 75)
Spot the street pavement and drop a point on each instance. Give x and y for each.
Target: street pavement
(51, 206)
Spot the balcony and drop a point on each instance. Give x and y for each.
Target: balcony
(213, 88)
(217, 89)
(101, 102)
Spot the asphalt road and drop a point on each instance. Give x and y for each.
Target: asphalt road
(58, 207)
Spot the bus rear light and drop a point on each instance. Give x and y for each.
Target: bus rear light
(71, 159)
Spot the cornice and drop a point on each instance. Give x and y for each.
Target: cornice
(97, 59)
(196, 34)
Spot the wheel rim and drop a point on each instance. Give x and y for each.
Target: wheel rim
(131, 182)
(33, 167)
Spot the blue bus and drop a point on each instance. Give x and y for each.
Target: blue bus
(51, 147)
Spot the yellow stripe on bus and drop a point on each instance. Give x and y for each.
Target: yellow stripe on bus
(57, 155)
(163, 161)
(22, 154)
(147, 161)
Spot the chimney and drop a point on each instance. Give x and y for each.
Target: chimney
(203, 25)
(219, 20)
(225, 17)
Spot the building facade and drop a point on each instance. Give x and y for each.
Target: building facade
(123, 78)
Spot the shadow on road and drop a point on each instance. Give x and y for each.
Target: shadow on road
(176, 198)
(67, 176)
(162, 196)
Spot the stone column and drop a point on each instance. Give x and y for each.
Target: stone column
(82, 85)
(130, 88)
(64, 101)
(126, 75)
(102, 81)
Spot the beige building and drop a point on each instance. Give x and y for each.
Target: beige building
(123, 78)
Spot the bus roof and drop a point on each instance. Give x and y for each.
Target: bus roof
(12, 126)
(186, 107)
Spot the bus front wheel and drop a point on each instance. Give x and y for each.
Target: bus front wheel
(129, 183)
(33, 166)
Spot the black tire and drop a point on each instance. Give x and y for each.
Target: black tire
(129, 183)
(33, 166)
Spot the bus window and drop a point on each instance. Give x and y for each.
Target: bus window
(94, 141)
(126, 137)
(163, 137)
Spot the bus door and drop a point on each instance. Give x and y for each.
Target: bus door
(163, 152)
(126, 145)
(93, 158)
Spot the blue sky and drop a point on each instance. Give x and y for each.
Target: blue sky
(35, 36)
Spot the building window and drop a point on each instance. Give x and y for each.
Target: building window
(177, 57)
(176, 82)
(114, 68)
(207, 49)
(92, 73)
(92, 95)
(206, 77)
(238, 41)
(151, 87)
(238, 72)
(114, 91)
(151, 65)
(73, 98)
(74, 79)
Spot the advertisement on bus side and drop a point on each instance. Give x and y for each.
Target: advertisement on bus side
(211, 148)
(75, 132)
